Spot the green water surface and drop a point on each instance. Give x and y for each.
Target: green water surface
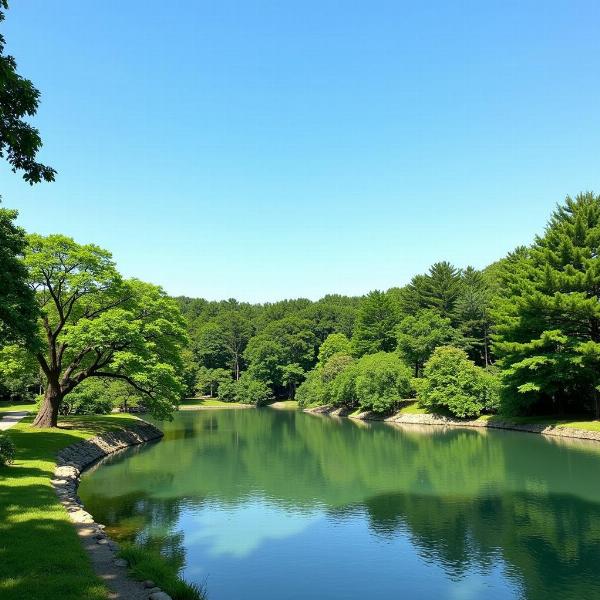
(270, 505)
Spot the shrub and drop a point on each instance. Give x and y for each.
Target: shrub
(311, 390)
(382, 380)
(7, 450)
(252, 391)
(226, 390)
(452, 381)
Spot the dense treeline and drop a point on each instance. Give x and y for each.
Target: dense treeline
(521, 336)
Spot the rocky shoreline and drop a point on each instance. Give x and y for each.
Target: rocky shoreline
(70, 463)
(428, 419)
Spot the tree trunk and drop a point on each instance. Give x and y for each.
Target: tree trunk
(48, 413)
(597, 404)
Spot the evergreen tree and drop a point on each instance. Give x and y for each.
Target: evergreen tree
(374, 326)
(548, 332)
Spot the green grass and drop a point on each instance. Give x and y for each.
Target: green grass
(287, 404)
(147, 564)
(9, 407)
(412, 408)
(41, 556)
(209, 402)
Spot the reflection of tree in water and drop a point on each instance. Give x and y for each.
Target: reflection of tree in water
(466, 498)
(549, 542)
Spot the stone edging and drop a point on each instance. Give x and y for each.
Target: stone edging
(70, 463)
(427, 419)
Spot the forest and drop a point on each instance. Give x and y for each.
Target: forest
(521, 336)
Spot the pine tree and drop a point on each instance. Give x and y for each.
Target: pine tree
(375, 324)
(548, 334)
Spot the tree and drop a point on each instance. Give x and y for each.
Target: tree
(95, 324)
(18, 309)
(237, 330)
(419, 335)
(548, 314)
(451, 381)
(335, 343)
(438, 289)
(209, 380)
(19, 373)
(472, 312)
(210, 347)
(19, 99)
(374, 326)
(292, 376)
(382, 380)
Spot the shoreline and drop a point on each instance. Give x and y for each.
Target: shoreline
(442, 421)
(71, 462)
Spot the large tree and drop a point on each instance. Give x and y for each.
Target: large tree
(95, 324)
(548, 331)
(419, 335)
(18, 310)
(374, 325)
(19, 99)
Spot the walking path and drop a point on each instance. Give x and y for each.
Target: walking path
(8, 419)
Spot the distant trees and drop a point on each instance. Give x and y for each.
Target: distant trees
(95, 324)
(19, 140)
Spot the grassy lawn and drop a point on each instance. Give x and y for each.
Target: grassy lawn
(8, 407)
(208, 403)
(40, 554)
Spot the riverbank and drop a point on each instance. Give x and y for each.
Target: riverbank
(42, 556)
(409, 415)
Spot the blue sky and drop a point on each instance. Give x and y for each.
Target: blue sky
(264, 150)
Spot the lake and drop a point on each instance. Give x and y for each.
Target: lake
(275, 504)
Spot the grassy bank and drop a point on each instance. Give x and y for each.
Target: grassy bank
(145, 564)
(41, 556)
(192, 403)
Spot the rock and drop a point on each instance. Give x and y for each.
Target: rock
(102, 541)
(120, 562)
(159, 596)
(149, 583)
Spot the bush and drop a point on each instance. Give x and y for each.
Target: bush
(382, 381)
(311, 391)
(226, 390)
(452, 381)
(252, 391)
(245, 390)
(7, 450)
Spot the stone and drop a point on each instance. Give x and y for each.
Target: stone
(159, 596)
(120, 562)
(102, 541)
(149, 583)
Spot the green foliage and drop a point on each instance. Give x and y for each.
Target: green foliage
(100, 396)
(96, 324)
(208, 381)
(148, 564)
(335, 343)
(19, 140)
(452, 381)
(374, 326)
(252, 391)
(292, 375)
(7, 450)
(19, 373)
(548, 313)
(420, 334)
(382, 380)
(311, 391)
(439, 289)
(18, 310)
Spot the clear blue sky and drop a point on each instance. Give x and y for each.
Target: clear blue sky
(264, 150)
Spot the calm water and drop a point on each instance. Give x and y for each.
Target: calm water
(272, 505)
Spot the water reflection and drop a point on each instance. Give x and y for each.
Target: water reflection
(451, 512)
